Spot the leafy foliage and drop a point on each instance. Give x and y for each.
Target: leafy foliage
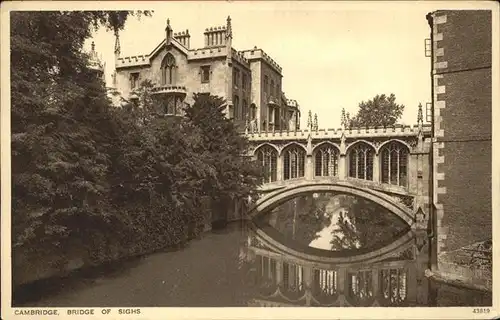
(381, 111)
(108, 182)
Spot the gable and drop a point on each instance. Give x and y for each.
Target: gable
(174, 44)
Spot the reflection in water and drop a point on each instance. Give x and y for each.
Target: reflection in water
(314, 225)
(334, 222)
(281, 280)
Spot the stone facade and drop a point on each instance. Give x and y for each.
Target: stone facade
(250, 81)
(462, 93)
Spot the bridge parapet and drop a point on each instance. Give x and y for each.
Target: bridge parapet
(355, 133)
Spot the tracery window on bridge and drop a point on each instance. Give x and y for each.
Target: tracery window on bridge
(268, 158)
(325, 282)
(361, 161)
(266, 271)
(394, 166)
(326, 161)
(168, 69)
(393, 286)
(293, 279)
(293, 162)
(360, 287)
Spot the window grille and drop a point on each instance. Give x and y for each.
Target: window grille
(268, 158)
(294, 160)
(394, 156)
(326, 161)
(361, 161)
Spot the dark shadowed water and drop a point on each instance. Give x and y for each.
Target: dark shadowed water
(313, 250)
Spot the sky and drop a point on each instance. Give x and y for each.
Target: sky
(334, 55)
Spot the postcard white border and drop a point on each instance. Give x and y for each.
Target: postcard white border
(247, 313)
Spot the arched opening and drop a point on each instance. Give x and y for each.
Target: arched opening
(361, 161)
(393, 286)
(293, 162)
(394, 163)
(267, 156)
(168, 69)
(326, 161)
(360, 291)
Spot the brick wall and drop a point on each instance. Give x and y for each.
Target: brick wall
(462, 117)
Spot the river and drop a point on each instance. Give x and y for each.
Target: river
(313, 250)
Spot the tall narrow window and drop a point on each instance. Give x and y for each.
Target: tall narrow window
(361, 161)
(236, 77)
(236, 103)
(168, 69)
(253, 111)
(326, 161)
(294, 160)
(244, 82)
(244, 109)
(205, 74)
(394, 157)
(271, 88)
(267, 156)
(134, 80)
(266, 84)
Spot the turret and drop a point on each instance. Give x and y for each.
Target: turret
(168, 33)
(117, 46)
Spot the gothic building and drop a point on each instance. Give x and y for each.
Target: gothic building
(250, 81)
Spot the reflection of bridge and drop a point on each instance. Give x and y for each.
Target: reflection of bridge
(393, 278)
(389, 166)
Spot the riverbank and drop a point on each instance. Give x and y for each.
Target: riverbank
(183, 276)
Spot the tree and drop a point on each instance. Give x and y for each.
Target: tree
(365, 225)
(62, 131)
(381, 111)
(235, 176)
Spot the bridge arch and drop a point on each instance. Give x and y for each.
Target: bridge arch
(274, 198)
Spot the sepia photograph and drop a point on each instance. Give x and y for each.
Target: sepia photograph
(215, 154)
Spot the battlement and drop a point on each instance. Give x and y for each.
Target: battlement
(238, 56)
(397, 131)
(204, 53)
(255, 54)
(292, 103)
(133, 61)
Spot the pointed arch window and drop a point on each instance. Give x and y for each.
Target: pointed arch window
(168, 69)
(393, 286)
(360, 288)
(361, 161)
(294, 160)
(267, 156)
(326, 161)
(394, 157)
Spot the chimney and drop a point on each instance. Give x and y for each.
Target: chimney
(183, 37)
(215, 36)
